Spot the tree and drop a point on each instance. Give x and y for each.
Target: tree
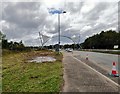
(104, 40)
(2, 36)
(11, 45)
(3, 40)
(21, 46)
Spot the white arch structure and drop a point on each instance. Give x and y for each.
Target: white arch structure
(44, 39)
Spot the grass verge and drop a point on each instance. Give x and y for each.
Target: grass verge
(21, 76)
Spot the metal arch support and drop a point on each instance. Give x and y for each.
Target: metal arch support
(60, 36)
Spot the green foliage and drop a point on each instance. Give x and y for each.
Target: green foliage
(11, 45)
(104, 40)
(22, 76)
(2, 36)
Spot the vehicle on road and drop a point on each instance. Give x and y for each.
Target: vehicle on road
(69, 50)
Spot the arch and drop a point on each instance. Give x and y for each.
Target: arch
(60, 36)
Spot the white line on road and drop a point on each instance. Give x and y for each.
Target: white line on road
(98, 72)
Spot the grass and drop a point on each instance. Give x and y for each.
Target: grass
(21, 76)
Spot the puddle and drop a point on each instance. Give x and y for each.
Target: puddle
(42, 59)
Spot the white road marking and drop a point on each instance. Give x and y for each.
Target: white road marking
(98, 72)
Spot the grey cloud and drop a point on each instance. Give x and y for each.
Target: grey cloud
(27, 19)
(22, 19)
(119, 16)
(23, 14)
(74, 7)
(96, 11)
(0, 11)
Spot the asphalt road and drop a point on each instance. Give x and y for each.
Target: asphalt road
(104, 60)
(79, 77)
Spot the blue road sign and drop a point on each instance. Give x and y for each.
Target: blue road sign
(55, 11)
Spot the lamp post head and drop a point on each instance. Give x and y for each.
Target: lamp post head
(64, 11)
(56, 11)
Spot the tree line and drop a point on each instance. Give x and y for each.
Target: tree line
(16, 46)
(104, 40)
(73, 46)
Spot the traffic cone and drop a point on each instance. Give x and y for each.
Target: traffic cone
(87, 57)
(114, 72)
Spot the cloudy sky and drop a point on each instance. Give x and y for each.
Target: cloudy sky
(23, 20)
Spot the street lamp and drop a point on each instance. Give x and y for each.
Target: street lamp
(54, 11)
(59, 30)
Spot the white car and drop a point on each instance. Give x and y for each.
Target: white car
(69, 50)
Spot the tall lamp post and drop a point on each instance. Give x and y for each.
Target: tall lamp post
(54, 11)
(59, 30)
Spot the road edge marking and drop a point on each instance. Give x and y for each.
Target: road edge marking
(98, 72)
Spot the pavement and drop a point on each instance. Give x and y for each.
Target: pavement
(79, 77)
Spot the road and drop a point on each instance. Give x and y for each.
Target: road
(104, 60)
(81, 77)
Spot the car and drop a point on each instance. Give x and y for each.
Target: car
(69, 50)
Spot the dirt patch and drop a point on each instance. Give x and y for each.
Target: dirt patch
(32, 55)
(42, 59)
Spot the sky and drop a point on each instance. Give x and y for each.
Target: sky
(23, 20)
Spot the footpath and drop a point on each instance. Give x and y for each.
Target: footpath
(79, 78)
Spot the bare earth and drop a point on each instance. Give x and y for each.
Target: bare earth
(79, 78)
